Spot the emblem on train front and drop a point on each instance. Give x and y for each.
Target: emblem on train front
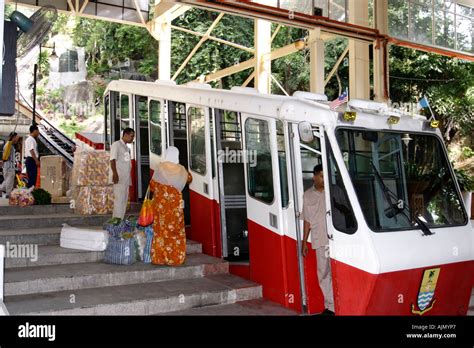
(426, 299)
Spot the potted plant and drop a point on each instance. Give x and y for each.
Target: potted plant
(41, 196)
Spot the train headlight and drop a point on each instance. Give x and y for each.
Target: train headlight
(434, 124)
(392, 119)
(349, 116)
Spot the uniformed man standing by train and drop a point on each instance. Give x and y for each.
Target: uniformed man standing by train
(120, 163)
(314, 215)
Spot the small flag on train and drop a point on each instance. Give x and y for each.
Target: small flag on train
(424, 103)
(339, 101)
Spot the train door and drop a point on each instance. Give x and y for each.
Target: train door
(231, 183)
(176, 135)
(265, 191)
(204, 209)
(142, 145)
(303, 156)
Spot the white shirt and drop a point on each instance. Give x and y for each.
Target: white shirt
(31, 144)
(121, 154)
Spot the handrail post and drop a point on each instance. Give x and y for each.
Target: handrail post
(3, 309)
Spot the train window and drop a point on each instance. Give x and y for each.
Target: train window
(143, 110)
(259, 161)
(142, 106)
(197, 145)
(230, 127)
(282, 164)
(212, 131)
(155, 127)
(107, 125)
(309, 159)
(343, 218)
(399, 177)
(124, 111)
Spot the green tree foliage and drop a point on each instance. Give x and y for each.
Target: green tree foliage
(108, 43)
(448, 84)
(212, 56)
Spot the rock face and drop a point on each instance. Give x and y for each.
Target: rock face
(79, 99)
(81, 92)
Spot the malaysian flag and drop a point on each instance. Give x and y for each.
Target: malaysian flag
(339, 101)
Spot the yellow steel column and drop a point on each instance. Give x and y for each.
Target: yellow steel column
(263, 48)
(359, 78)
(381, 52)
(316, 46)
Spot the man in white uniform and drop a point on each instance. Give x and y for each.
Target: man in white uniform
(9, 166)
(314, 215)
(32, 162)
(120, 163)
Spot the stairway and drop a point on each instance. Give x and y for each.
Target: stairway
(51, 137)
(56, 141)
(73, 282)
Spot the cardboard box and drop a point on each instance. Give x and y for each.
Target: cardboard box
(53, 175)
(93, 200)
(91, 168)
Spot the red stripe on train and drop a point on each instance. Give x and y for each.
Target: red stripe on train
(205, 222)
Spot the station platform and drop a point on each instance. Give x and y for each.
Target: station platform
(39, 286)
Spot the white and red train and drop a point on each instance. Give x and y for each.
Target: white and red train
(400, 239)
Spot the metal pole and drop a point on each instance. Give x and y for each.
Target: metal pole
(35, 73)
(299, 242)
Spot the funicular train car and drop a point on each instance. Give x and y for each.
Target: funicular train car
(399, 238)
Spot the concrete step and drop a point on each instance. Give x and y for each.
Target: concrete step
(138, 299)
(43, 279)
(55, 255)
(37, 236)
(35, 210)
(50, 209)
(8, 223)
(258, 306)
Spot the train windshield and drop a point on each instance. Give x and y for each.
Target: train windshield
(400, 179)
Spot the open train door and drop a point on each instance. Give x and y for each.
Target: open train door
(306, 150)
(201, 164)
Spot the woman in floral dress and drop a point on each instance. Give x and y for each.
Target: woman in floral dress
(169, 241)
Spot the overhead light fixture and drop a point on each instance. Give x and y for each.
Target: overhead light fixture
(53, 54)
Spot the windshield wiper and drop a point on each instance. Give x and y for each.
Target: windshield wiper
(399, 207)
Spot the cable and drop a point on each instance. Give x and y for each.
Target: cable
(420, 79)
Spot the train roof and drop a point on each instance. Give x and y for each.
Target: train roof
(303, 106)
